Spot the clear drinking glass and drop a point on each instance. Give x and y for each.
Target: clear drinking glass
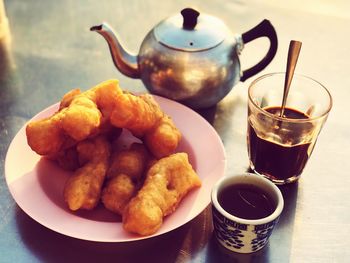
(279, 147)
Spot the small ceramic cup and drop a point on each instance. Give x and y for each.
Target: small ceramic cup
(239, 234)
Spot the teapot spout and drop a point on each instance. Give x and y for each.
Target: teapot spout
(123, 60)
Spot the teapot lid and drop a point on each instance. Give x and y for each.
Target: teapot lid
(191, 31)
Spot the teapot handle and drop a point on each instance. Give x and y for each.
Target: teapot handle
(264, 29)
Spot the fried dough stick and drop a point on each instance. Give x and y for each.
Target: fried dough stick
(46, 136)
(81, 114)
(164, 138)
(144, 118)
(82, 190)
(68, 159)
(124, 177)
(167, 182)
(138, 114)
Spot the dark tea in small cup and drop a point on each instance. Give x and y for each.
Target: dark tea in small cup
(250, 202)
(245, 210)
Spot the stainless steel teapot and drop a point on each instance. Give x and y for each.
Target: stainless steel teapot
(192, 58)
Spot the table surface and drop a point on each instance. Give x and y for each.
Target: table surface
(50, 50)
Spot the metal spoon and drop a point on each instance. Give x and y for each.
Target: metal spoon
(293, 54)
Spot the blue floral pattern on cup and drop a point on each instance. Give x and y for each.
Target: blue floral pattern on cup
(234, 235)
(228, 232)
(263, 233)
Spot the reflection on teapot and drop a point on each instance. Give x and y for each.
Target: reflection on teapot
(192, 58)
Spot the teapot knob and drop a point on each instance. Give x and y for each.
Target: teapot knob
(190, 18)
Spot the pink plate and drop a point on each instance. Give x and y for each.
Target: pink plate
(37, 184)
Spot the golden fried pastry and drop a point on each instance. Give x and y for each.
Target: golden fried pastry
(46, 136)
(164, 138)
(68, 97)
(125, 176)
(130, 161)
(80, 119)
(80, 137)
(81, 115)
(82, 190)
(102, 98)
(144, 118)
(118, 192)
(167, 183)
(138, 114)
(68, 159)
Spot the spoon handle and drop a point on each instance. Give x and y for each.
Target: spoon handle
(293, 54)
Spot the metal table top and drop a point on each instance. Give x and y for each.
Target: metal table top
(50, 50)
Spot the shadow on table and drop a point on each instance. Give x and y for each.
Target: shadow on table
(217, 253)
(290, 194)
(208, 113)
(49, 246)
